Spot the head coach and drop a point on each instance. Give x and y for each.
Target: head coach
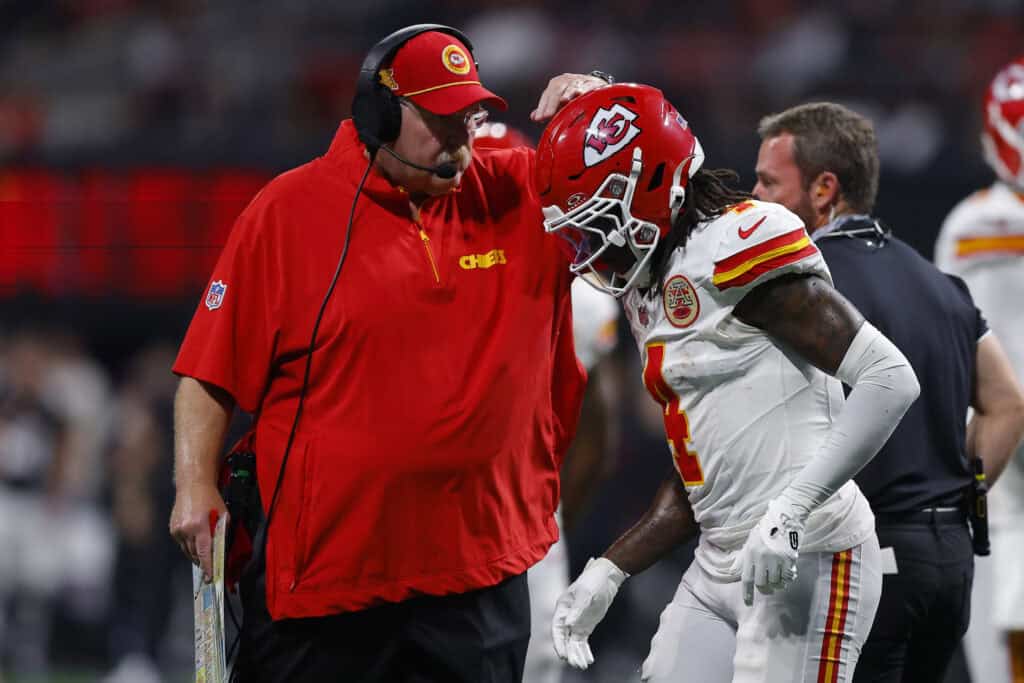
(399, 323)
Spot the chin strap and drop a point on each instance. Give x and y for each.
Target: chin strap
(691, 164)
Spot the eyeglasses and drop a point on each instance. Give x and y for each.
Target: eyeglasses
(472, 120)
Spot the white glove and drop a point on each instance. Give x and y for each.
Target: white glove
(768, 558)
(582, 607)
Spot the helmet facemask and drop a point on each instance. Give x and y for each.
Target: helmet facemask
(611, 172)
(602, 226)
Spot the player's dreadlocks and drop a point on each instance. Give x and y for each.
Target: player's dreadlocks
(708, 195)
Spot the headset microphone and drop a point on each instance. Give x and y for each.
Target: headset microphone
(445, 171)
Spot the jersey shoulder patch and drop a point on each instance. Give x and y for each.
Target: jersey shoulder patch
(758, 239)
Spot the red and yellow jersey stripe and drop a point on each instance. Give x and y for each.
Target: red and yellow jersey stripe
(746, 266)
(835, 621)
(967, 247)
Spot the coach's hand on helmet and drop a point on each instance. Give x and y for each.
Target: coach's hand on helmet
(582, 607)
(768, 558)
(561, 89)
(190, 522)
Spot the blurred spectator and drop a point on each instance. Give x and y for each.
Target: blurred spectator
(32, 468)
(142, 495)
(500, 36)
(190, 80)
(52, 427)
(78, 391)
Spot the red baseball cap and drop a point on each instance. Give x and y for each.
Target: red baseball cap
(437, 72)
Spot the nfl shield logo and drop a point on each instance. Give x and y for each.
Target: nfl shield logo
(215, 297)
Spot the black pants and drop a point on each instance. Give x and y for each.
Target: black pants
(475, 637)
(925, 608)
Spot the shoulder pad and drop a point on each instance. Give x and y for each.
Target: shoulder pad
(757, 238)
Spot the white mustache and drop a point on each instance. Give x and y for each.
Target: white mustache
(459, 157)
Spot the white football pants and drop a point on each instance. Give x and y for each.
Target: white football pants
(811, 632)
(548, 579)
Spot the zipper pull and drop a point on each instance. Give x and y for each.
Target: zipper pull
(430, 254)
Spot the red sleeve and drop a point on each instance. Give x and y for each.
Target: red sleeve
(568, 378)
(232, 338)
(514, 167)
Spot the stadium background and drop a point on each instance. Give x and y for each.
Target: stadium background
(132, 133)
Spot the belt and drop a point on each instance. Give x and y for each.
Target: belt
(941, 515)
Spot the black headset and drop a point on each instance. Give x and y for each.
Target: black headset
(376, 111)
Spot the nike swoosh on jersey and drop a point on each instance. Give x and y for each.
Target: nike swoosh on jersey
(744, 234)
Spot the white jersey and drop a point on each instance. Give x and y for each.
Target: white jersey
(594, 319)
(742, 415)
(982, 241)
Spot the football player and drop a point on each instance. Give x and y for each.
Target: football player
(594, 324)
(744, 343)
(982, 241)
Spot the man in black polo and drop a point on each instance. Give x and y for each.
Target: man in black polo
(820, 160)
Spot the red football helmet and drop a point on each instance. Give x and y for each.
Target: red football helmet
(1003, 135)
(612, 169)
(497, 135)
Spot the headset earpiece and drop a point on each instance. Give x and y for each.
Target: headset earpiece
(376, 112)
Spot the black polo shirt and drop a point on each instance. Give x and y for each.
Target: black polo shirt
(931, 318)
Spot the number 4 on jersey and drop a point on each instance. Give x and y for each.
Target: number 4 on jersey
(677, 426)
